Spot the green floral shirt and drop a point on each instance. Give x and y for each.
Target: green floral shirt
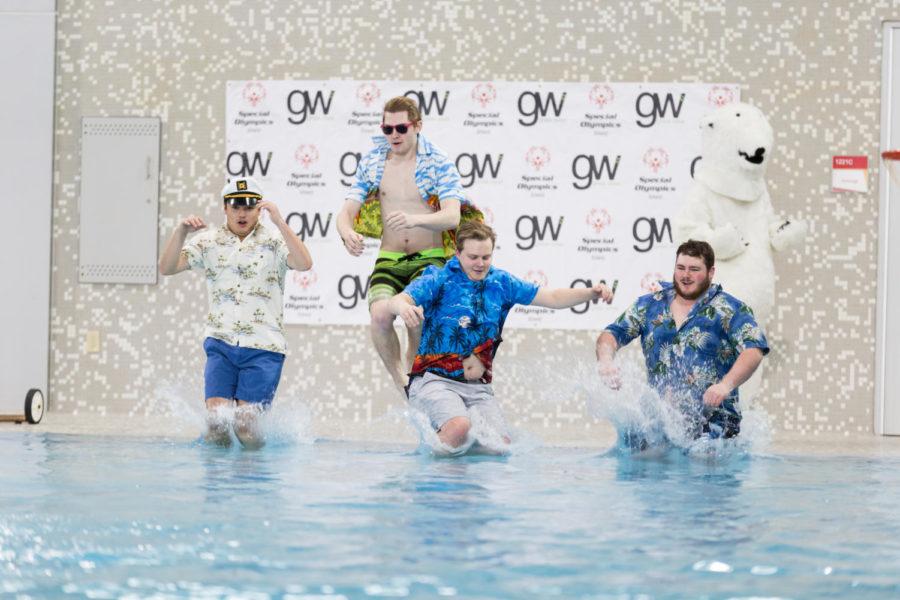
(699, 353)
(245, 283)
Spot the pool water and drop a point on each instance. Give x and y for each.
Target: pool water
(110, 517)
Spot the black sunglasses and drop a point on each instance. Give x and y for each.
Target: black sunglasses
(400, 127)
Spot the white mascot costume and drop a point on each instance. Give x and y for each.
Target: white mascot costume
(729, 207)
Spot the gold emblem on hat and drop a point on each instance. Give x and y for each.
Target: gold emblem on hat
(241, 185)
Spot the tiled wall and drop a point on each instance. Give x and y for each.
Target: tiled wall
(814, 67)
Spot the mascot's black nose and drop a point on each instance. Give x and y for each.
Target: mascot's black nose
(757, 157)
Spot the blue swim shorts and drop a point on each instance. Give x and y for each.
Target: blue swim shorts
(238, 373)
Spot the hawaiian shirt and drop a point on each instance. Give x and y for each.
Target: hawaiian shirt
(463, 317)
(245, 282)
(689, 359)
(436, 175)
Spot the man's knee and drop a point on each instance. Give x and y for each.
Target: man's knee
(455, 431)
(382, 318)
(217, 403)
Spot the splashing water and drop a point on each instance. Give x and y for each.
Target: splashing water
(644, 420)
(287, 422)
(484, 437)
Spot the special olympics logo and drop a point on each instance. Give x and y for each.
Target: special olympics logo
(538, 278)
(484, 94)
(254, 93)
(720, 96)
(598, 219)
(304, 279)
(650, 282)
(601, 95)
(538, 157)
(306, 155)
(368, 93)
(656, 159)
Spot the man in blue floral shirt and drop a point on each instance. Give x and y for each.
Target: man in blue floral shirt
(463, 306)
(699, 343)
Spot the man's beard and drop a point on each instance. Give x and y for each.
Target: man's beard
(700, 291)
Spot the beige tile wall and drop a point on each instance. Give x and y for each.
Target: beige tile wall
(812, 66)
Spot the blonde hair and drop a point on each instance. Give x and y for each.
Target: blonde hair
(401, 104)
(474, 230)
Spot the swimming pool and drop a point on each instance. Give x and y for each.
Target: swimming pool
(109, 517)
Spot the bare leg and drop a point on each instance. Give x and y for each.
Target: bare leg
(386, 342)
(414, 336)
(246, 426)
(455, 432)
(216, 424)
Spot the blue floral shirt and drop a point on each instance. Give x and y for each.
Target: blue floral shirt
(436, 175)
(463, 317)
(699, 353)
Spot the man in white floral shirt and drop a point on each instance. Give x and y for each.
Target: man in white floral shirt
(699, 343)
(245, 265)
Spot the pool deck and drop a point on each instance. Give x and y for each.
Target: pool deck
(394, 431)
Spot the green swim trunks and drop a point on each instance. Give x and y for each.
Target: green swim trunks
(395, 270)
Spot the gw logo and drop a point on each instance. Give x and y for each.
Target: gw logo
(529, 230)
(650, 108)
(432, 101)
(352, 290)
(239, 164)
(580, 309)
(307, 228)
(470, 167)
(348, 165)
(301, 105)
(586, 170)
(532, 106)
(647, 232)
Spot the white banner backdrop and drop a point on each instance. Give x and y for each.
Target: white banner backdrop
(580, 180)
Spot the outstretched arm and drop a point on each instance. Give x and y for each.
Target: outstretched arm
(567, 297)
(172, 261)
(740, 371)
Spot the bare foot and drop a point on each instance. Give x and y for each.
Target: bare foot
(217, 433)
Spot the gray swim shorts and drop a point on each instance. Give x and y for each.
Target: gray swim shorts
(442, 399)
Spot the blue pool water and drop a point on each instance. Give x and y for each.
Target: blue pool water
(108, 517)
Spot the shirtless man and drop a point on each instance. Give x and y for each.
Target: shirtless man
(420, 194)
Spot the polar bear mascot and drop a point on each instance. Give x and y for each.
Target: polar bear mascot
(729, 207)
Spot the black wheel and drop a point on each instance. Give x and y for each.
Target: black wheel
(34, 406)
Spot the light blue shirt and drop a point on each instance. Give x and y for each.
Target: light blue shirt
(436, 175)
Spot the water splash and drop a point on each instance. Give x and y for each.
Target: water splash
(485, 437)
(644, 420)
(287, 422)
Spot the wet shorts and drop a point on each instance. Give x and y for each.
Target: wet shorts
(395, 270)
(442, 399)
(238, 373)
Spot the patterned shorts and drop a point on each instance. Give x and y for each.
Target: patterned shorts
(395, 270)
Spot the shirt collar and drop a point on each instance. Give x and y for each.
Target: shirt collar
(423, 148)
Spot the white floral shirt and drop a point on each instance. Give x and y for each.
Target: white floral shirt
(245, 283)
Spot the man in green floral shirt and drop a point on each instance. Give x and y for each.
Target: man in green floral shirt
(245, 265)
(699, 343)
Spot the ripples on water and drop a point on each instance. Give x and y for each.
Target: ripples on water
(108, 517)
